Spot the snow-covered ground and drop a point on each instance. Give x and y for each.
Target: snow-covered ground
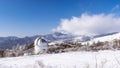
(107, 38)
(101, 59)
(103, 39)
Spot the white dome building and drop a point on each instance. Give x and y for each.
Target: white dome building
(40, 45)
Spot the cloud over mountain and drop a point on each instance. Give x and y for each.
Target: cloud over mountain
(90, 24)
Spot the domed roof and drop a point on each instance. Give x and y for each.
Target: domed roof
(40, 40)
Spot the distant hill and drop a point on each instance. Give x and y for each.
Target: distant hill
(9, 42)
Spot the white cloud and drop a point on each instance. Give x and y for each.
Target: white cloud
(90, 24)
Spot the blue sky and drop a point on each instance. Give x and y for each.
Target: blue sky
(33, 17)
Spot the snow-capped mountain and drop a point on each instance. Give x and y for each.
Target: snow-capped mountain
(9, 42)
(56, 37)
(62, 38)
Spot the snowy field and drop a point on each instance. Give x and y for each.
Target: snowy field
(101, 59)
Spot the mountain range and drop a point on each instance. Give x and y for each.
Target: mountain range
(9, 42)
(54, 38)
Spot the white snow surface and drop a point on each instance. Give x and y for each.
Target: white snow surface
(103, 39)
(107, 38)
(101, 59)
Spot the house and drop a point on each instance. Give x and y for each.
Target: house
(40, 45)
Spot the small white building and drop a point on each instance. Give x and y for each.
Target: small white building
(40, 45)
